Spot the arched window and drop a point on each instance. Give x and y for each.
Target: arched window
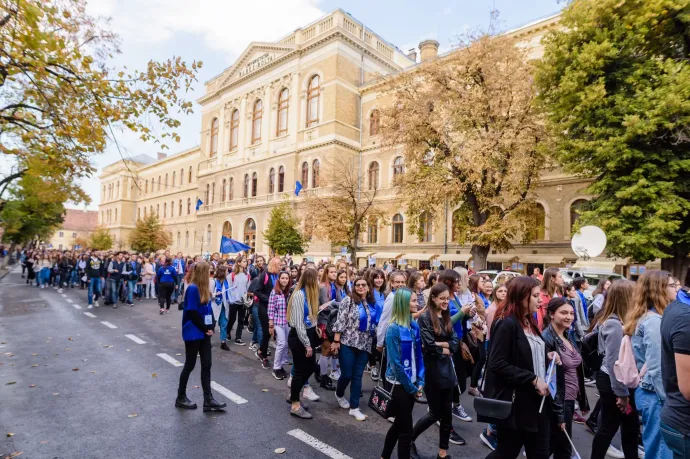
(139, 214)
(179, 239)
(144, 213)
(245, 190)
(207, 201)
(151, 210)
(158, 210)
(146, 187)
(398, 229)
(165, 210)
(250, 233)
(425, 227)
(115, 215)
(165, 188)
(315, 174)
(313, 101)
(537, 223)
(213, 151)
(374, 121)
(398, 167)
(105, 195)
(271, 180)
(373, 176)
(575, 209)
(189, 206)
(181, 177)
(159, 183)
(222, 194)
(174, 176)
(194, 240)
(213, 192)
(227, 229)
(117, 193)
(257, 115)
(282, 125)
(255, 184)
(186, 239)
(208, 235)
(172, 209)
(231, 189)
(189, 177)
(281, 179)
(234, 128)
(179, 209)
(372, 232)
(305, 175)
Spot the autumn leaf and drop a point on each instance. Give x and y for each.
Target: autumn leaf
(75, 369)
(154, 375)
(10, 434)
(34, 355)
(34, 365)
(10, 383)
(70, 339)
(32, 385)
(133, 415)
(279, 450)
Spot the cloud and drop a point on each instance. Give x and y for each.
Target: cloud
(225, 25)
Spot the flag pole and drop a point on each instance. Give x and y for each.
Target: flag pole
(577, 455)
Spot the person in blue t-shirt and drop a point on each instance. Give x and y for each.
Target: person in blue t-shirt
(165, 278)
(197, 328)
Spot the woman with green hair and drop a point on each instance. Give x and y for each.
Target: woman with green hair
(404, 370)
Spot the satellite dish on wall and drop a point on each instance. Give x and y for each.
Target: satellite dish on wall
(589, 242)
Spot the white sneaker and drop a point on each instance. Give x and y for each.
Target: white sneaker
(640, 452)
(335, 375)
(95, 304)
(357, 414)
(90, 306)
(391, 419)
(309, 394)
(289, 383)
(59, 290)
(615, 452)
(342, 401)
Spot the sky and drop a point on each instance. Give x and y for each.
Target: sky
(216, 32)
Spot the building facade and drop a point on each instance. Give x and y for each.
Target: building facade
(78, 224)
(278, 115)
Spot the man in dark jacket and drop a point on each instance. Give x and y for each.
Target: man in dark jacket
(115, 270)
(93, 275)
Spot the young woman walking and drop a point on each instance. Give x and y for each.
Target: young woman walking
(239, 282)
(332, 291)
(197, 329)
(221, 306)
(165, 278)
(277, 323)
(149, 274)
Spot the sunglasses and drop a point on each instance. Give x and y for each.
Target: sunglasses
(360, 285)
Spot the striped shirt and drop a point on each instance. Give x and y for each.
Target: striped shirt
(277, 309)
(297, 318)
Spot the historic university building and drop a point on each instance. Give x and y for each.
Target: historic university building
(281, 112)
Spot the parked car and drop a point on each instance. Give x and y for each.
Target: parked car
(593, 277)
(499, 277)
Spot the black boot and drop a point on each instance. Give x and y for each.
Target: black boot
(210, 404)
(224, 346)
(183, 402)
(317, 375)
(326, 383)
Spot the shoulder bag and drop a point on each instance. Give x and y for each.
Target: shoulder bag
(380, 399)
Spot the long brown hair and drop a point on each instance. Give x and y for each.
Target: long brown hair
(200, 275)
(650, 293)
(618, 300)
(237, 266)
(435, 291)
(519, 288)
(310, 285)
(286, 290)
(324, 276)
(548, 284)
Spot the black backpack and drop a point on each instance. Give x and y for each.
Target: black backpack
(590, 350)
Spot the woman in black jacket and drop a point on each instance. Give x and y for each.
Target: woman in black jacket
(439, 342)
(516, 370)
(570, 375)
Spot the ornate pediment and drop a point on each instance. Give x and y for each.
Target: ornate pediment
(254, 58)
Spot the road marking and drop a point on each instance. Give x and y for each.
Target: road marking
(69, 301)
(227, 393)
(318, 444)
(169, 359)
(63, 295)
(76, 306)
(88, 314)
(135, 339)
(108, 324)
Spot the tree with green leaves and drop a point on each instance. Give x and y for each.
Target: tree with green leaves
(282, 234)
(615, 85)
(148, 236)
(101, 239)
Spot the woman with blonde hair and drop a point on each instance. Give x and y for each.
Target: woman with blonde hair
(654, 291)
(197, 328)
(238, 281)
(551, 287)
(303, 308)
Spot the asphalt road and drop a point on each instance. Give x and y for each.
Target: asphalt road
(74, 387)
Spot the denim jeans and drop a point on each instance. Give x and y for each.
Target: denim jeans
(94, 288)
(223, 324)
(44, 276)
(352, 363)
(131, 286)
(649, 406)
(258, 335)
(678, 443)
(114, 289)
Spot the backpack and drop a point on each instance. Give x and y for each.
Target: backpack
(590, 350)
(625, 368)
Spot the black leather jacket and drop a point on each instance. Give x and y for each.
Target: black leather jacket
(440, 373)
(554, 343)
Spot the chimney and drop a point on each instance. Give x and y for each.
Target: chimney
(412, 54)
(162, 155)
(428, 49)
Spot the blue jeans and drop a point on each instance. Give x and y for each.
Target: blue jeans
(94, 287)
(115, 289)
(678, 443)
(352, 363)
(131, 285)
(223, 324)
(257, 335)
(44, 276)
(649, 406)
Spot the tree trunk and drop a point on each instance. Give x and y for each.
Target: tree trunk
(678, 266)
(479, 255)
(354, 246)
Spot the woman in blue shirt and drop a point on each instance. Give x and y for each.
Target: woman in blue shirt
(405, 370)
(197, 328)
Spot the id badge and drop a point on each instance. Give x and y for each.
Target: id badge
(208, 319)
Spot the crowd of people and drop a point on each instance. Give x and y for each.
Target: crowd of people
(529, 347)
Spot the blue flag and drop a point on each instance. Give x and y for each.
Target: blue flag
(229, 245)
(199, 203)
(551, 379)
(298, 188)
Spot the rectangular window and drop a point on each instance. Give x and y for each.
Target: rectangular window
(61, 234)
(74, 234)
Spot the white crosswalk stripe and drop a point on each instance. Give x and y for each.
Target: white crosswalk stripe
(135, 339)
(317, 444)
(171, 360)
(76, 306)
(227, 393)
(88, 314)
(108, 324)
(69, 301)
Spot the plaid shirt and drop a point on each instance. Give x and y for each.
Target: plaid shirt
(277, 309)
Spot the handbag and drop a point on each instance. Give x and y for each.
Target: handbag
(491, 410)
(381, 400)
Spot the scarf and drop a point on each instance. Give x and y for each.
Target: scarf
(333, 293)
(307, 321)
(583, 301)
(364, 318)
(406, 351)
